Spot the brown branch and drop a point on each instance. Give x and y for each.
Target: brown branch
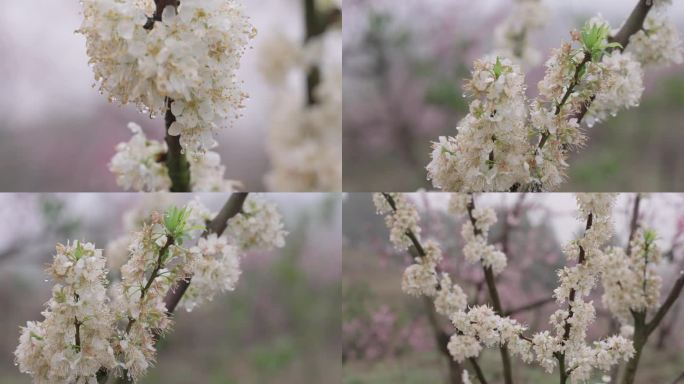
(77, 340)
(316, 23)
(530, 306)
(153, 275)
(634, 223)
(231, 208)
(667, 304)
(679, 378)
(441, 337)
(175, 160)
(571, 298)
(494, 296)
(632, 25)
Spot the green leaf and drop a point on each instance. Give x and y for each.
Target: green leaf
(79, 251)
(650, 236)
(498, 68)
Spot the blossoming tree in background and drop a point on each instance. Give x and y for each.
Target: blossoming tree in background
(631, 293)
(173, 59)
(96, 328)
(509, 143)
(305, 140)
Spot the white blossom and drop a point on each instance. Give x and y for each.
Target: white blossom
(511, 37)
(258, 226)
(73, 341)
(216, 271)
(624, 89)
(489, 152)
(137, 164)
(658, 43)
(305, 139)
(190, 57)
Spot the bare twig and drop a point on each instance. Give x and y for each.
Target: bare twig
(533, 305)
(667, 304)
(678, 379)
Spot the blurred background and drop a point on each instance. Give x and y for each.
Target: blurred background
(58, 134)
(403, 77)
(386, 334)
(280, 325)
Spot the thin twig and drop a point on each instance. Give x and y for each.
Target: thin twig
(530, 306)
(667, 304)
(678, 379)
(441, 337)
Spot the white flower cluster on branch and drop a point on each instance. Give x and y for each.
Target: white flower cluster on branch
(590, 76)
(73, 341)
(305, 139)
(511, 37)
(82, 336)
(190, 56)
(481, 326)
(567, 342)
(491, 148)
(138, 166)
(630, 281)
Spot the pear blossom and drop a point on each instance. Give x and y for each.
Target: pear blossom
(73, 341)
(305, 139)
(258, 226)
(658, 43)
(138, 165)
(83, 331)
(189, 57)
(512, 35)
(489, 152)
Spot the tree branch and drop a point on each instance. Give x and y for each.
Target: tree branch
(633, 24)
(494, 296)
(316, 23)
(175, 160)
(530, 306)
(671, 298)
(634, 223)
(231, 208)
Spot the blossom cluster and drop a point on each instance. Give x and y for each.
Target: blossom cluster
(138, 165)
(480, 326)
(184, 58)
(658, 43)
(401, 218)
(512, 35)
(490, 151)
(73, 341)
(629, 281)
(588, 76)
(475, 233)
(569, 326)
(81, 333)
(305, 139)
